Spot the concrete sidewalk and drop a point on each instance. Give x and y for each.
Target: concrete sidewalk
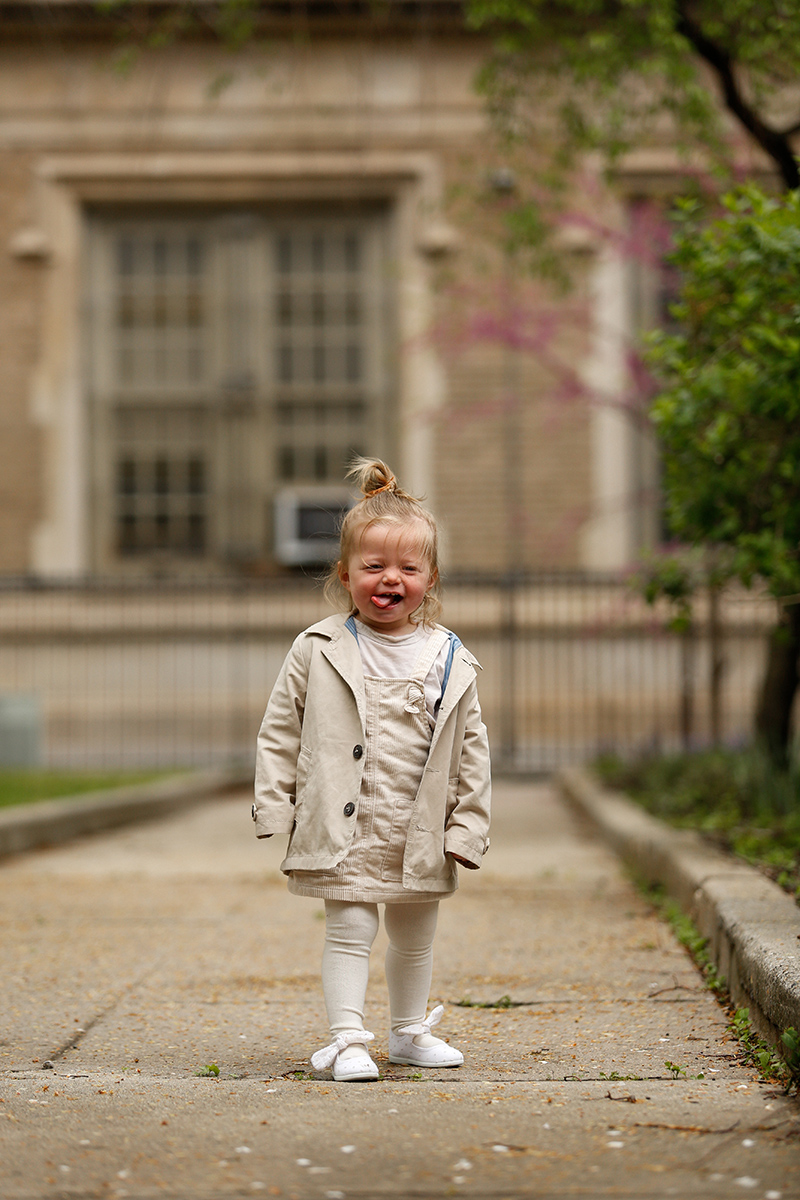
(50, 822)
(130, 960)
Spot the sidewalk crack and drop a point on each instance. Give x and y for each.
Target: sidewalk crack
(73, 1042)
(80, 1034)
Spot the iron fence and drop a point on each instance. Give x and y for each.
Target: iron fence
(161, 674)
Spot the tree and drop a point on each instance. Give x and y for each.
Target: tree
(605, 76)
(728, 414)
(612, 70)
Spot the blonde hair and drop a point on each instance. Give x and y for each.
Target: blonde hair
(385, 503)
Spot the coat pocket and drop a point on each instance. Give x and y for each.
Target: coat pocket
(429, 864)
(301, 789)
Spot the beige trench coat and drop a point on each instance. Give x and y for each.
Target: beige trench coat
(310, 759)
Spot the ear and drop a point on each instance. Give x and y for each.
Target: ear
(344, 577)
(433, 579)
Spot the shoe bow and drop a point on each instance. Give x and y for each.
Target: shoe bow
(423, 1026)
(327, 1056)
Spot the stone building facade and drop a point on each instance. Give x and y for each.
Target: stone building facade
(225, 272)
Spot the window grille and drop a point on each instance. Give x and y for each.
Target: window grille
(161, 312)
(320, 331)
(161, 482)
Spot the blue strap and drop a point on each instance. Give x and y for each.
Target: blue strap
(350, 624)
(455, 642)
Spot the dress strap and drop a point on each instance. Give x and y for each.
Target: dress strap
(455, 642)
(415, 690)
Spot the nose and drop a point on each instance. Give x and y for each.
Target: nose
(390, 574)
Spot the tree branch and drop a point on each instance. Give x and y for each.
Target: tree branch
(772, 142)
(790, 130)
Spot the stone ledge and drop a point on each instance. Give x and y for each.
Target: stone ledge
(751, 924)
(47, 822)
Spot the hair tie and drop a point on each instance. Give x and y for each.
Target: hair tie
(384, 487)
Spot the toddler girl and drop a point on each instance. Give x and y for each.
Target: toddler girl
(373, 757)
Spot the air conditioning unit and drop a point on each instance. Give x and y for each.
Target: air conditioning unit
(307, 521)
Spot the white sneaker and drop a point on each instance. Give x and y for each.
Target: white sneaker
(355, 1068)
(415, 1046)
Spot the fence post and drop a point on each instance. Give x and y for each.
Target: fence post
(716, 663)
(508, 680)
(687, 686)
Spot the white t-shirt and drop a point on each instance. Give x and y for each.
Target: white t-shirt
(393, 656)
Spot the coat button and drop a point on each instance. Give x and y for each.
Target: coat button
(253, 813)
(358, 751)
(349, 808)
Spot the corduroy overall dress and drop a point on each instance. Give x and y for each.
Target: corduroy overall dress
(397, 738)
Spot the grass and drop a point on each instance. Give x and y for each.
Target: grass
(736, 798)
(28, 786)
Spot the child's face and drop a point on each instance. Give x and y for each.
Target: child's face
(387, 577)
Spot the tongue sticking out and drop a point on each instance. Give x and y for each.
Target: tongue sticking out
(385, 601)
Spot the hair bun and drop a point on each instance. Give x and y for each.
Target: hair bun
(371, 475)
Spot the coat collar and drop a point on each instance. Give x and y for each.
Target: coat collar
(329, 627)
(341, 651)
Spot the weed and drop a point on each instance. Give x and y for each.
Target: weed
(690, 936)
(765, 1058)
(615, 1077)
(687, 934)
(679, 1072)
(209, 1070)
(791, 1052)
(675, 1070)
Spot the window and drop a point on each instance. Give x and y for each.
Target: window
(652, 289)
(231, 355)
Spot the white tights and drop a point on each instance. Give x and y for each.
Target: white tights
(350, 930)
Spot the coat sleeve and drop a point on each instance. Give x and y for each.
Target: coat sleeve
(467, 830)
(278, 745)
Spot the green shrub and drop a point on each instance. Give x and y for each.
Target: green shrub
(738, 798)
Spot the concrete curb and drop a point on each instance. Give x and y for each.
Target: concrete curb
(48, 822)
(751, 924)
